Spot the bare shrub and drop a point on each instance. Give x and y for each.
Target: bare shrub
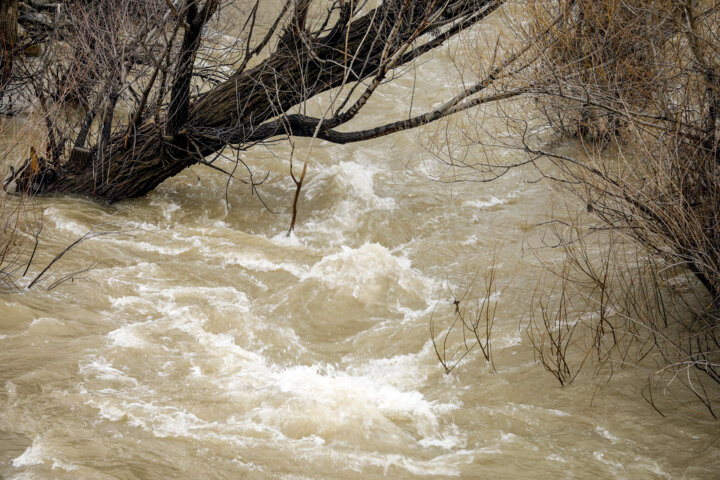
(607, 52)
(469, 323)
(631, 90)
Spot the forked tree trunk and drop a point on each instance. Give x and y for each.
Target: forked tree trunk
(240, 110)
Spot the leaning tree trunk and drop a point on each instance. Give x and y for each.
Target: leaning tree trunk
(241, 109)
(8, 39)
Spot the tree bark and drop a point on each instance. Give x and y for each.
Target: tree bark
(8, 39)
(235, 111)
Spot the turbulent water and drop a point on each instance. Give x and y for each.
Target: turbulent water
(201, 342)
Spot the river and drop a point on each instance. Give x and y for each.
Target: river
(199, 341)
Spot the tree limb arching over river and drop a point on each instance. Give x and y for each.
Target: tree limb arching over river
(209, 341)
(185, 109)
(348, 44)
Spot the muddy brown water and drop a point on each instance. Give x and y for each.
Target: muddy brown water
(204, 343)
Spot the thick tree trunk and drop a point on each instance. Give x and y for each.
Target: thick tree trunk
(8, 38)
(234, 112)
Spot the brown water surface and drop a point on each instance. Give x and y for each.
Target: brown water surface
(203, 343)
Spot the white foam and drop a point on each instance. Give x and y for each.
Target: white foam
(127, 337)
(222, 296)
(359, 178)
(558, 413)
(59, 464)
(651, 465)
(256, 262)
(23, 476)
(538, 410)
(342, 398)
(493, 201)
(471, 240)
(304, 405)
(368, 273)
(412, 316)
(512, 340)
(401, 371)
(445, 465)
(600, 457)
(64, 223)
(33, 455)
(377, 394)
(45, 326)
(165, 421)
(149, 247)
(311, 403)
(605, 434)
(332, 225)
(282, 239)
(556, 458)
(101, 368)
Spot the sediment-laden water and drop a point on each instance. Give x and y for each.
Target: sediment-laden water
(201, 342)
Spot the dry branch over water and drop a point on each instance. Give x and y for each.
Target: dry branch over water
(131, 93)
(181, 115)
